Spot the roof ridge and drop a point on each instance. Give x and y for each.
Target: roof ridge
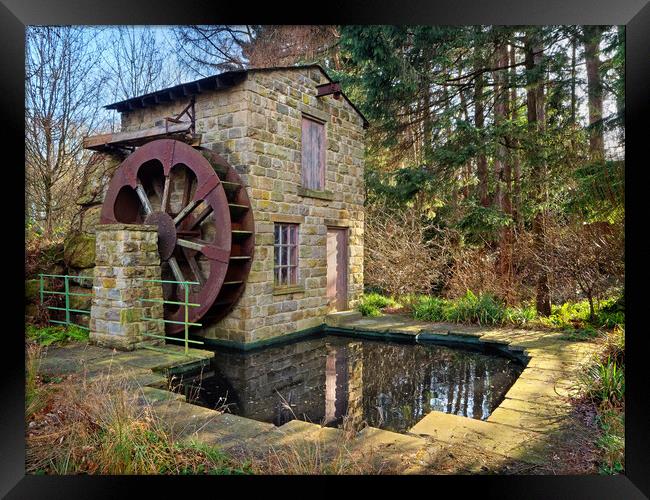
(223, 80)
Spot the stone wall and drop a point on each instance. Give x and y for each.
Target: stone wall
(126, 256)
(256, 126)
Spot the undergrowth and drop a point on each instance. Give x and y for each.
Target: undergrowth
(573, 318)
(47, 335)
(603, 383)
(372, 303)
(103, 428)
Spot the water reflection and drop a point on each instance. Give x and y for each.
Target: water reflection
(388, 385)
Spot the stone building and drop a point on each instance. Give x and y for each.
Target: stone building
(296, 142)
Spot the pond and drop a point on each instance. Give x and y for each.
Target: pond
(389, 385)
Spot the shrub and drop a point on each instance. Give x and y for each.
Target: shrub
(577, 315)
(428, 308)
(372, 303)
(368, 310)
(520, 315)
(484, 310)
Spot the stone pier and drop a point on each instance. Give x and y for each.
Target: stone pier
(126, 257)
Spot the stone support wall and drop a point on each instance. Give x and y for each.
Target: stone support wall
(126, 256)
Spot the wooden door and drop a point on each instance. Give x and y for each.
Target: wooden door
(337, 267)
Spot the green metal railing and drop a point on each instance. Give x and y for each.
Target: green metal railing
(186, 304)
(67, 293)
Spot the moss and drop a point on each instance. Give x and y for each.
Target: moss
(79, 251)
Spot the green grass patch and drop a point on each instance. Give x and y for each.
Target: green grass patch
(56, 334)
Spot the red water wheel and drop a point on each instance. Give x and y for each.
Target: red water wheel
(204, 219)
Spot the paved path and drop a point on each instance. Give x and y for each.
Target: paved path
(523, 429)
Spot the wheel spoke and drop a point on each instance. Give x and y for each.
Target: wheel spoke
(165, 196)
(211, 252)
(194, 266)
(186, 211)
(201, 217)
(144, 199)
(176, 270)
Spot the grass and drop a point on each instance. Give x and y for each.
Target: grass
(35, 394)
(482, 309)
(100, 427)
(573, 318)
(104, 427)
(48, 335)
(603, 384)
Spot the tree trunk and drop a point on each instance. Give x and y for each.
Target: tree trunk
(592, 37)
(502, 168)
(516, 203)
(479, 122)
(535, 108)
(573, 81)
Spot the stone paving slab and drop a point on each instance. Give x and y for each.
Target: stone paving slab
(504, 440)
(528, 421)
(542, 410)
(153, 395)
(71, 358)
(536, 391)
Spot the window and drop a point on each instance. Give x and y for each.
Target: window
(285, 267)
(313, 154)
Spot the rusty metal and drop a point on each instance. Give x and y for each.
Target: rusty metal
(328, 89)
(141, 191)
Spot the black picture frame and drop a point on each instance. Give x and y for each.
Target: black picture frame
(16, 14)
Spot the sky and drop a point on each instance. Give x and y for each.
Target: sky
(176, 72)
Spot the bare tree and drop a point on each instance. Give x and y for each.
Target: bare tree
(284, 45)
(61, 94)
(587, 256)
(206, 49)
(138, 62)
(398, 259)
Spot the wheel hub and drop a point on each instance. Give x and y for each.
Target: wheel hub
(166, 233)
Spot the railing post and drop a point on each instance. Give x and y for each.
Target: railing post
(187, 317)
(41, 287)
(67, 300)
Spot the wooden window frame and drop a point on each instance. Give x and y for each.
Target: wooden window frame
(322, 157)
(286, 245)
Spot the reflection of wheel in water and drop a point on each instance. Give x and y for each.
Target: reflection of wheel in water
(383, 401)
(205, 225)
(284, 410)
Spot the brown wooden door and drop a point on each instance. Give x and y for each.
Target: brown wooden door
(337, 267)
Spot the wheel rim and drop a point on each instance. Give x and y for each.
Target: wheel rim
(179, 189)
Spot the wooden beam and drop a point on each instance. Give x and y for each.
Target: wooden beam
(113, 139)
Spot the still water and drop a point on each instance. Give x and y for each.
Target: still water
(389, 385)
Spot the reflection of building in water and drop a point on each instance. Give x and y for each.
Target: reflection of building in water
(355, 385)
(273, 384)
(335, 380)
(343, 383)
